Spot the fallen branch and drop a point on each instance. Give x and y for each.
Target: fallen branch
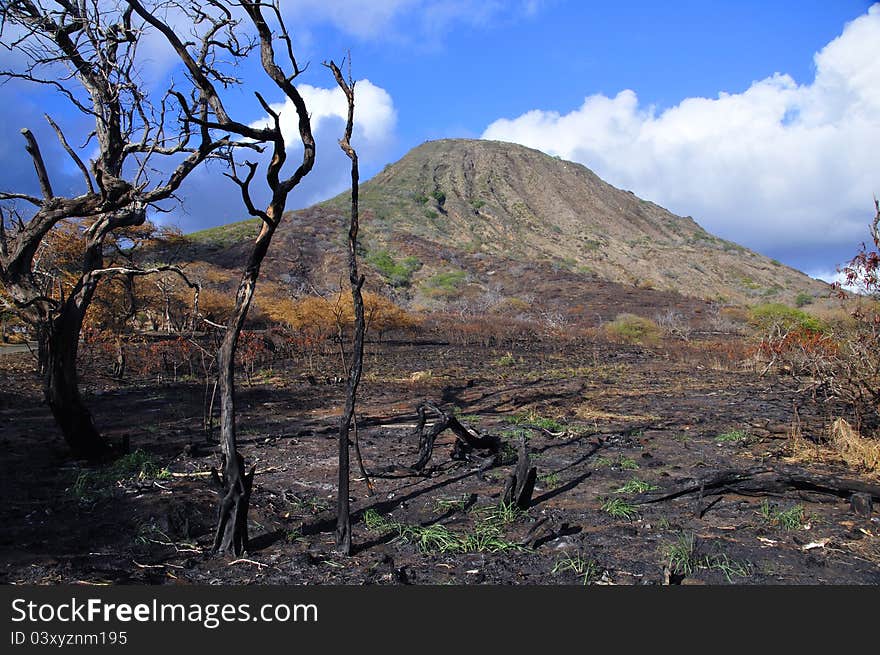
(764, 480)
(155, 566)
(242, 560)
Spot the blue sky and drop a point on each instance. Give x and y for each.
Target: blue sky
(759, 119)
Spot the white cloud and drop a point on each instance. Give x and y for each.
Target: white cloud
(828, 275)
(778, 165)
(375, 123)
(374, 115)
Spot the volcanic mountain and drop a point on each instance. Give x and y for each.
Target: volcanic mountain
(456, 219)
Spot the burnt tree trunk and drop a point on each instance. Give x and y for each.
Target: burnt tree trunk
(520, 484)
(232, 530)
(119, 362)
(356, 282)
(231, 533)
(58, 349)
(427, 438)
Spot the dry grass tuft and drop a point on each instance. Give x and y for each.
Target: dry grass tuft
(856, 450)
(843, 443)
(799, 448)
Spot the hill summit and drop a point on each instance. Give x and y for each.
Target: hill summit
(457, 219)
(507, 200)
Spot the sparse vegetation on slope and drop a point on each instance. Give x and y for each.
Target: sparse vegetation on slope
(510, 201)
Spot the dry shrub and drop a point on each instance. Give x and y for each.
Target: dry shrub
(857, 451)
(487, 331)
(421, 376)
(630, 328)
(729, 320)
(674, 324)
(801, 449)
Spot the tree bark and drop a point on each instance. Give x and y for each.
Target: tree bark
(468, 438)
(520, 484)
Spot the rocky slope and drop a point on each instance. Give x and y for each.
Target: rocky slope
(473, 221)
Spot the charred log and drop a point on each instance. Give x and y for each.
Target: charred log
(467, 439)
(767, 480)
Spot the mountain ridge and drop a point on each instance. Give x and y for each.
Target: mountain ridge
(502, 198)
(461, 210)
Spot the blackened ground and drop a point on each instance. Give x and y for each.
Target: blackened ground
(613, 414)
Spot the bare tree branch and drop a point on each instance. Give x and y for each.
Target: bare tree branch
(72, 153)
(33, 149)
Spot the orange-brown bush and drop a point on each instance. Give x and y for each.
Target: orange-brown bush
(841, 358)
(253, 350)
(321, 318)
(799, 350)
(489, 332)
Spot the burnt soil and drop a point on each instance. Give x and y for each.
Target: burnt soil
(620, 412)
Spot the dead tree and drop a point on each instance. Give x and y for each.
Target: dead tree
(231, 533)
(356, 282)
(88, 52)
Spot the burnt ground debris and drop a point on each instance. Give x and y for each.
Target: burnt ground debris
(603, 423)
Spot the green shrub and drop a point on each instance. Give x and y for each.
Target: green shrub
(793, 518)
(445, 284)
(487, 535)
(803, 299)
(619, 508)
(396, 273)
(731, 436)
(533, 418)
(789, 318)
(633, 329)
